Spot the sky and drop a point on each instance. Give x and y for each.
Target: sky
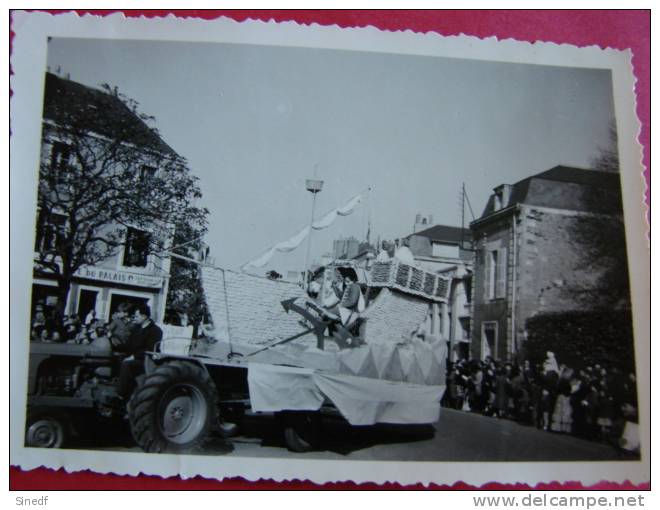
(255, 121)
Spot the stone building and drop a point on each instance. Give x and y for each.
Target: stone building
(345, 248)
(440, 247)
(530, 252)
(447, 250)
(132, 275)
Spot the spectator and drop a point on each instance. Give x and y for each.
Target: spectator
(579, 407)
(605, 413)
(90, 317)
(120, 328)
(578, 400)
(500, 393)
(83, 335)
(476, 388)
(562, 420)
(100, 343)
(70, 330)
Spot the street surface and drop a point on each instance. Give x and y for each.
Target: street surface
(458, 436)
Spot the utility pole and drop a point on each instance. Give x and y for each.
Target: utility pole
(463, 216)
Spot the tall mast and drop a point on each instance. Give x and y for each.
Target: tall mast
(462, 215)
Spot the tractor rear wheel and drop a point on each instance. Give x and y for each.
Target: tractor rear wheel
(174, 409)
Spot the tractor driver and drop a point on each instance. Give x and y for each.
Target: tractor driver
(144, 337)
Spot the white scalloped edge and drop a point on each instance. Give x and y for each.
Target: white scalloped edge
(29, 51)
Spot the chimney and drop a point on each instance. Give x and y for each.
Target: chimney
(502, 195)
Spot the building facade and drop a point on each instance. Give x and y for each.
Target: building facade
(530, 253)
(132, 274)
(447, 250)
(441, 247)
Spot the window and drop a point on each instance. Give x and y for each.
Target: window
(495, 277)
(60, 155)
(465, 328)
(468, 289)
(136, 249)
(50, 231)
(147, 173)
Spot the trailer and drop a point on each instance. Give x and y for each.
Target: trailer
(273, 349)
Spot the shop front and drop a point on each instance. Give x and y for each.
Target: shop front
(101, 291)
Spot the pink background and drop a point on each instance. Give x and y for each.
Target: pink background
(628, 29)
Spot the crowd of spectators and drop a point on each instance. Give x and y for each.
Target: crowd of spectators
(49, 326)
(594, 401)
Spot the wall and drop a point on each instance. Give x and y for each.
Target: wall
(156, 266)
(550, 268)
(494, 235)
(420, 245)
(551, 264)
(345, 248)
(444, 250)
(105, 291)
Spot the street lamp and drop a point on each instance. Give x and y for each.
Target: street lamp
(314, 186)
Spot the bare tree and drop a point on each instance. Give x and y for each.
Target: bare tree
(601, 240)
(105, 175)
(607, 159)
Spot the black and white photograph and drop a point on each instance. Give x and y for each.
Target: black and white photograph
(245, 250)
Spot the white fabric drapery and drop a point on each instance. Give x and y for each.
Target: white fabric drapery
(295, 241)
(361, 400)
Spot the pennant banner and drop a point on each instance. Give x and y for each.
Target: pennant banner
(295, 241)
(330, 217)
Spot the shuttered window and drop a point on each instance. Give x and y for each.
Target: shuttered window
(488, 280)
(500, 274)
(495, 274)
(60, 155)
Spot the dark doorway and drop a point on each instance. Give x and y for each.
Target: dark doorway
(489, 340)
(44, 295)
(86, 302)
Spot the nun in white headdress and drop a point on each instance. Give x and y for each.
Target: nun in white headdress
(550, 364)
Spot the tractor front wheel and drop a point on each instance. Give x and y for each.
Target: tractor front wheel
(46, 429)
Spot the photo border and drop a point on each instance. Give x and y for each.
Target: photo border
(27, 124)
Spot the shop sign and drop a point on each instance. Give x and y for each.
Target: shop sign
(123, 277)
